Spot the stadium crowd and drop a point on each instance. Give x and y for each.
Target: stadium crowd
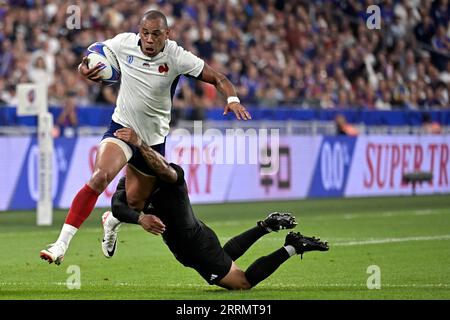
(313, 54)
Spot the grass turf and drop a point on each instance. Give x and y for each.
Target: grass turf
(407, 237)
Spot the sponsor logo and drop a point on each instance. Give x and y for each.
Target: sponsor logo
(213, 277)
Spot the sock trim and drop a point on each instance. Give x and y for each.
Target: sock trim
(290, 250)
(69, 228)
(90, 190)
(67, 233)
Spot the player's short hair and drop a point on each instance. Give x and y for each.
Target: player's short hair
(155, 14)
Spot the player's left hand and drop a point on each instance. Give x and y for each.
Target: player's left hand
(238, 109)
(128, 135)
(152, 224)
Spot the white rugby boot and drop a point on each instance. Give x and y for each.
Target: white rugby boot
(54, 253)
(111, 228)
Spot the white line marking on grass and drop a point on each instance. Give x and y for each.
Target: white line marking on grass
(275, 286)
(105, 283)
(325, 285)
(427, 212)
(343, 285)
(390, 240)
(363, 242)
(384, 214)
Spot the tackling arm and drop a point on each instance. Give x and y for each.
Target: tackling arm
(156, 161)
(121, 210)
(124, 213)
(158, 164)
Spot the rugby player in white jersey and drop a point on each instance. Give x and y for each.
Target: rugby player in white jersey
(150, 65)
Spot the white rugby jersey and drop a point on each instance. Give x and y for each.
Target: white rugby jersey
(148, 84)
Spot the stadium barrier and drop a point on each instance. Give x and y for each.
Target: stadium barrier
(314, 166)
(100, 115)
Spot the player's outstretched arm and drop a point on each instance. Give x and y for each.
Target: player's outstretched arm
(156, 161)
(226, 88)
(122, 212)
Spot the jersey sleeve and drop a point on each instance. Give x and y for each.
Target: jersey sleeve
(180, 173)
(115, 43)
(121, 210)
(188, 63)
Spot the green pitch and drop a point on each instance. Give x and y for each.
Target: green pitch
(408, 238)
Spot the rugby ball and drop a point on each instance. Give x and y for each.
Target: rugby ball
(98, 52)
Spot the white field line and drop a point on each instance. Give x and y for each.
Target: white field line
(383, 214)
(347, 216)
(390, 240)
(422, 212)
(262, 285)
(363, 242)
(327, 285)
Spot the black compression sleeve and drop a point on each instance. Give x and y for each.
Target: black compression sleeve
(180, 173)
(121, 210)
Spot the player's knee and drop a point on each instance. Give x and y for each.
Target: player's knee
(236, 280)
(242, 284)
(99, 180)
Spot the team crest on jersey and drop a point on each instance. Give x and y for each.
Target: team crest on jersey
(163, 68)
(130, 59)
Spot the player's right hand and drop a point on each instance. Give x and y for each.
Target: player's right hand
(91, 74)
(152, 224)
(128, 135)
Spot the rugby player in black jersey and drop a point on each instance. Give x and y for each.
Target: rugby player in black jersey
(168, 212)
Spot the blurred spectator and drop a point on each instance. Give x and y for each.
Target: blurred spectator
(384, 102)
(313, 54)
(445, 74)
(440, 12)
(429, 101)
(67, 121)
(203, 44)
(39, 73)
(430, 126)
(343, 127)
(107, 95)
(6, 58)
(3, 92)
(425, 29)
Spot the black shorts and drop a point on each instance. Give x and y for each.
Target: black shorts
(201, 250)
(136, 160)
